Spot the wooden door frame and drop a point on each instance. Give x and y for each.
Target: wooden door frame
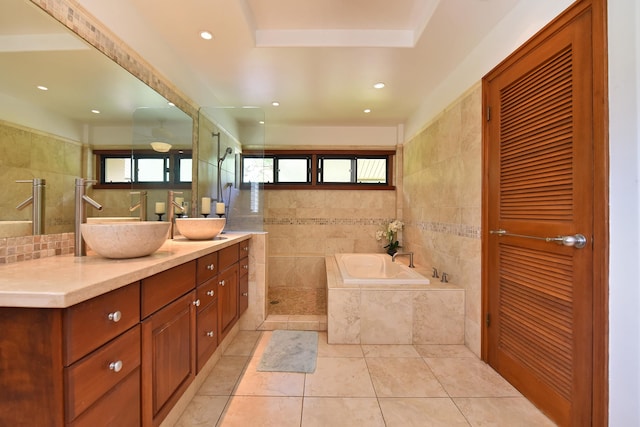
(600, 321)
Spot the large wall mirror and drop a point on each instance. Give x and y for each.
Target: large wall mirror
(90, 103)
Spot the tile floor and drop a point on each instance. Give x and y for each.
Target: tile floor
(358, 385)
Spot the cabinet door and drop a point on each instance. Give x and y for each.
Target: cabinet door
(227, 300)
(168, 363)
(207, 333)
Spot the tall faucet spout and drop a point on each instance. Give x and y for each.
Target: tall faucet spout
(80, 248)
(409, 254)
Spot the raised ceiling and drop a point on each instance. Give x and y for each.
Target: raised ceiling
(318, 58)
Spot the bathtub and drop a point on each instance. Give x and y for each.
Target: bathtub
(376, 269)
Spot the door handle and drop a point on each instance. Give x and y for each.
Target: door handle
(578, 241)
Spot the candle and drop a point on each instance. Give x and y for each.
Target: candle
(160, 208)
(219, 208)
(206, 205)
(180, 202)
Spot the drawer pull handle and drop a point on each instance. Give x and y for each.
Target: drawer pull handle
(210, 334)
(221, 283)
(115, 316)
(210, 267)
(211, 293)
(197, 303)
(245, 294)
(116, 366)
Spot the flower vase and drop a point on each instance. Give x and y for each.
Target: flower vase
(391, 251)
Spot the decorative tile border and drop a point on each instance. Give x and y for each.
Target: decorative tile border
(16, 249)
(462, 230)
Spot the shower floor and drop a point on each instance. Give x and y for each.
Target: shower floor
(297, 301)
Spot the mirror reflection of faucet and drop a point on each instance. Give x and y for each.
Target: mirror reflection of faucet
(36, 200)
(80, 248)
(174, 206)
(141, 205)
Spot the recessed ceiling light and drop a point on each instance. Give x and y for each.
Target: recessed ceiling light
(171, 104)
(367, 110)
(378, 85)
(261, 122)
(275, 103)
(95, 111)
(42, 87)
(206, 35)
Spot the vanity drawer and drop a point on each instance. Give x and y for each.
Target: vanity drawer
(228, 256)
(91, 323)
(163, 288)
(91, 377)
(207, 267)
(244, 249)
(207, 293)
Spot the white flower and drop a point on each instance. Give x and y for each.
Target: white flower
(395, 226)
(380, 234)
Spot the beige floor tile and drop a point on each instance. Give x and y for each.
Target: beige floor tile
(337, 350)
(254, 383)
(260, 411)
(341, 411)
(403, 377)
(470, 377)
(202, 411)
(383, 350)
(502, 411)
(262, 343)
(421, 412)
(224, 376)
(444, 350)
(339, 377)
(243, 344)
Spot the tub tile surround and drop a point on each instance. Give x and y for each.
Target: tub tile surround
(441, 198)
(420, 314)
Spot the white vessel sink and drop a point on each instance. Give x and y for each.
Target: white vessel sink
(200, 228)
(131, 239)
(110, 219)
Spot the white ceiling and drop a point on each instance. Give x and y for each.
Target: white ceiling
(318, 58)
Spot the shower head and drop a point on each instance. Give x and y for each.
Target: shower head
(228, 151)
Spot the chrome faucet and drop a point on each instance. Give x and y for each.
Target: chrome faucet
(171, 215)
(142, 205)
(435, 273)
(445, 278)
(80, 248)
(410, 254)
(37, 203)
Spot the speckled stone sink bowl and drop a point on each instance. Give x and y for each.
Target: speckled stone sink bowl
(200, 228)
(125, 239)
(110, 219)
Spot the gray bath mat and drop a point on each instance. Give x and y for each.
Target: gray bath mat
(290, 351)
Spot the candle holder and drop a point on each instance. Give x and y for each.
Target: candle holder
(205, 215)
(220, 215)
(159, 216)
(179, 215)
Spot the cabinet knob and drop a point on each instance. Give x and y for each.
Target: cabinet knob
(221, 283)
(210, 267)
(116, 366)
(211, 293)
(246, 266)
(245, 294)
(210, 334)
(197, 303)
(115, 316)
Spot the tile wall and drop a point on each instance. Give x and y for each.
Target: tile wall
(442, 185)
(304, 226)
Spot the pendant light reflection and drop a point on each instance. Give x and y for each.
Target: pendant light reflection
(160, 147)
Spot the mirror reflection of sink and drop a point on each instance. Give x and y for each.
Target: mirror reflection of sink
(110, 219)
(15, 228)
(130, 239)
(200, 228)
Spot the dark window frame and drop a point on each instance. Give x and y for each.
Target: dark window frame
(315, 156)
(173, 169)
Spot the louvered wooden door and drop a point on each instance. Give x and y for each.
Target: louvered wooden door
(539, 169)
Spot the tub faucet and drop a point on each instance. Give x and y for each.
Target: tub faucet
(142, 205)
(80, 248)
(445, 278)
(410, 254)
(171, 214)
(435, 273)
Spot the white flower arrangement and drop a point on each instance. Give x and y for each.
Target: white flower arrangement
(389, 235)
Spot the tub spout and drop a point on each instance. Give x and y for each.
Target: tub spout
(409, 254)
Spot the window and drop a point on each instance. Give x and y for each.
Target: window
(318, 169)
(120, 169)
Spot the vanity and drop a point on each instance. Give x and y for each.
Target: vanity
(91, 341)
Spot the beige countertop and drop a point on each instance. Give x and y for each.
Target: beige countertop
(62, 281)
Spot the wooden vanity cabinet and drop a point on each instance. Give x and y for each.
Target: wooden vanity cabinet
(243, 266)
(207, 312)
(168, 339)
